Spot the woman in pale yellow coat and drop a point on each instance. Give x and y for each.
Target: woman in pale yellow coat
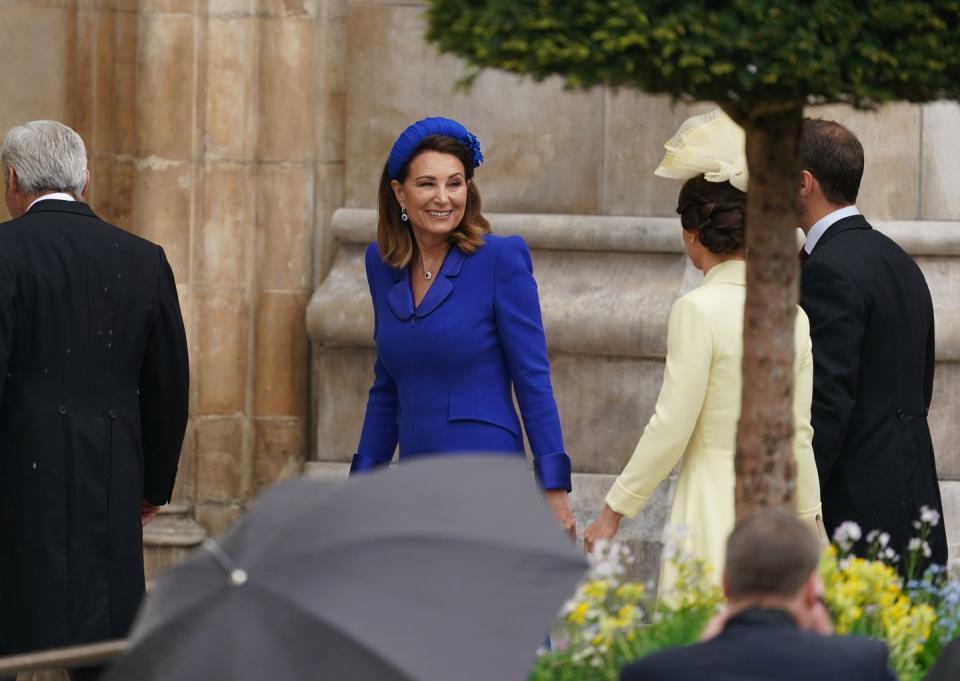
(695, 419)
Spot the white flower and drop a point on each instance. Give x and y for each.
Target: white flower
(884, 538)
(847, 533)
(915, 544)
(929, 516)
(606, 560)
(872, 536)
(926, 550)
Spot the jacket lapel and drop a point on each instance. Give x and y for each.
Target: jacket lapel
(400, 297)
(442, 287)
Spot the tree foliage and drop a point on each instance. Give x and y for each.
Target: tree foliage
(741, 52)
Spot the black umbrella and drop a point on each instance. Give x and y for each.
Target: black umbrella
(447, 569)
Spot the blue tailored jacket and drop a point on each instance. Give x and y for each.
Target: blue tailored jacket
(444, 369)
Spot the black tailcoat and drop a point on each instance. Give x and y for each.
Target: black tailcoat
(93, 407)
(760, 645)
(871, 322)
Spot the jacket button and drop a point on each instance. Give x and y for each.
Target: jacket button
(899, 413)
(112, 414)
(62, 410)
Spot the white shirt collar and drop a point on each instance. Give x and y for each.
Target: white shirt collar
(58, 196)
(823, 224)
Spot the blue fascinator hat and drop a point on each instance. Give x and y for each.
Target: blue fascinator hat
(408, 141)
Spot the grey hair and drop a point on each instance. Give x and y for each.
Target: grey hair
(46, 156)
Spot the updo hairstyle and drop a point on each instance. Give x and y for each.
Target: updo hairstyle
(717, 210)
(395, 236)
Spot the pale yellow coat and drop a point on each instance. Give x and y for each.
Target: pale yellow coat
(695, 420)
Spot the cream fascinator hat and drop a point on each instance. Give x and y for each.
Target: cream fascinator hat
(711, 145)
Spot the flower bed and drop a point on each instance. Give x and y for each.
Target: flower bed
(610, 622)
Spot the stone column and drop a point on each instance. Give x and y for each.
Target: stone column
(330, 144)
(223, 252)
(154, 152)
(284, 237)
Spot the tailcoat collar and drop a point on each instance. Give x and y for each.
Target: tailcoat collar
(57, 206)
(843, 225)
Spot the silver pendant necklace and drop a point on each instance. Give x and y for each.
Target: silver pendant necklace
(428, 274)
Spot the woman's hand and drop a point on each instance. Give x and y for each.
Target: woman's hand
(560, 506)
(604, 527)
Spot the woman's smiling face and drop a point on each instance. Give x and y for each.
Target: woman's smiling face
(434, 193)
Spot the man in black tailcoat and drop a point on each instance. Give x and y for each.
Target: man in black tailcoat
(871, 322)
(93, 400)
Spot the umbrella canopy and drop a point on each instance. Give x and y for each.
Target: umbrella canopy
(444, 568)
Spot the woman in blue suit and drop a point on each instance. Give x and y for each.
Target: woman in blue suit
(457, 320)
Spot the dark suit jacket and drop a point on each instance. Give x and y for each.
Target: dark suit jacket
(93, 407)
(760, 645)
(444, 369)
(871, 322)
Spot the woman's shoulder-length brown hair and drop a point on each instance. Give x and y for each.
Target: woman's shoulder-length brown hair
(394, 236)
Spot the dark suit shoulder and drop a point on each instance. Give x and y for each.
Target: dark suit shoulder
(857, 244)
(767, 652)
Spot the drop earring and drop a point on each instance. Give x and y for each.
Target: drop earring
(403, 214)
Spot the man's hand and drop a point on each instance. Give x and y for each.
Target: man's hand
(147, 512)
(560, 506)
(604, 527)
(818, 617)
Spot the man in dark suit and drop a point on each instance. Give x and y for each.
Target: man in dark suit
(775, 625)
(871, 322)
(93, 400)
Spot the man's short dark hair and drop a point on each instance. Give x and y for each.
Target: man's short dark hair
(834, 156)
(770, 553)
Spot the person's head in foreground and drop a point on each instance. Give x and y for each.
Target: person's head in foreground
(772, 559)
(42, 157)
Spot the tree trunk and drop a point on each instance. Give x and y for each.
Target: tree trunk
(765, 465)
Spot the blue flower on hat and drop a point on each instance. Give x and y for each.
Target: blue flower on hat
(408, 141)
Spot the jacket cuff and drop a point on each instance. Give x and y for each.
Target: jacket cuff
(361, 463)
(553, 471)
(623, 501)
(161, 499)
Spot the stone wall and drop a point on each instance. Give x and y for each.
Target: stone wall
(215, 128)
